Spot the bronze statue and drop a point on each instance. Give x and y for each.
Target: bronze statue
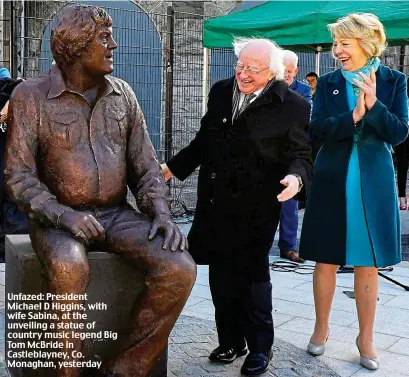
(77, 138)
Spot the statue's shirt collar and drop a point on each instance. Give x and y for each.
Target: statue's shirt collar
(58, 86)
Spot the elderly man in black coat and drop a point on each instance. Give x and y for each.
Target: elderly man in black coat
(253, 154)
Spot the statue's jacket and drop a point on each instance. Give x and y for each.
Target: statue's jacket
(61, 153)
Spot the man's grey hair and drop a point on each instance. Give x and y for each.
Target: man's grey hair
(276, 53)
(289, 56)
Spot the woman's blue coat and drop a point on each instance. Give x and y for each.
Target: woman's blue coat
(323, 237)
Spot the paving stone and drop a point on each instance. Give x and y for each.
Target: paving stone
(399, 302)
(394, 363)
(340, 333)
(279, 318)
(288, 360)
(401, 346)
(286, 373)
(204, 331)
(202, 269)
(193, 370)
(283, 364)
(284, 281)
(381, 372)
(193, 300)
(392, 321)
(3, 370)
(203, 307)
(343, 368)
(202, 279)
(181, 339)
(202, 291)
(200, 338)
(296, 309)
(213, 368)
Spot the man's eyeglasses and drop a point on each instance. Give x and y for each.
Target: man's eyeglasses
(250, 70)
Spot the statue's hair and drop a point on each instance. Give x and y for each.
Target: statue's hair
(73, 29)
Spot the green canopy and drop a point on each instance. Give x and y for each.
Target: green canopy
(303, 24)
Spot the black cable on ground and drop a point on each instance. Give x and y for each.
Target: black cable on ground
(298, 268)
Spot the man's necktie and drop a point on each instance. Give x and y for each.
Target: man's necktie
(246, 102)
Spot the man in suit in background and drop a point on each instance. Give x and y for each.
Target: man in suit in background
(253, 155)
(289, 214)
(291, 69)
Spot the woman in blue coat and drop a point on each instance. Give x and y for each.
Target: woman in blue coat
(360, 111)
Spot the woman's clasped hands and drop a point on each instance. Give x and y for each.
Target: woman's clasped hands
(367, 95)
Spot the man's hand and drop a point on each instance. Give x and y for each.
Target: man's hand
(163, 223)
(292, 185)
(167, 174)
(83, 226)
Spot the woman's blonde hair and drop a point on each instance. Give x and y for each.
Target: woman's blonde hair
(364, 26)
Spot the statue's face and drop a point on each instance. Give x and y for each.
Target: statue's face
(99, 58)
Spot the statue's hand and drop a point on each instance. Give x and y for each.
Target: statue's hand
(83, 226)
(173, 236)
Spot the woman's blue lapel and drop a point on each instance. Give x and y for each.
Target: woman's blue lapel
(337, 97)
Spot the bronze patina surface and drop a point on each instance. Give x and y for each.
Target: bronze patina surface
(77, 138)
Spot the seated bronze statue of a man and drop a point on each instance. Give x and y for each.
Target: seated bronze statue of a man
(77, 139)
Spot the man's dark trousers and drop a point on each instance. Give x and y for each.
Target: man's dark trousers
(243, 307)
(288, 226)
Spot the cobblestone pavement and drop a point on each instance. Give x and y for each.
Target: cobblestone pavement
(192, 339)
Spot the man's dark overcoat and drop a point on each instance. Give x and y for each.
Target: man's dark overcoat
(241, 165)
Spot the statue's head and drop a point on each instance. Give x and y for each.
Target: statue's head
(82, 34)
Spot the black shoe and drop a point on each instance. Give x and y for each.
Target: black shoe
(292, 256)
(226, 355)
(256, 363)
